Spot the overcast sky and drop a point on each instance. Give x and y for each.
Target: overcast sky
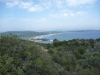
(16, 15)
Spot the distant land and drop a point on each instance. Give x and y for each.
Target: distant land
(82, 30)
(30, 33)
(39, 33)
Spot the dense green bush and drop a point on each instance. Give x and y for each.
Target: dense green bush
(73, 57)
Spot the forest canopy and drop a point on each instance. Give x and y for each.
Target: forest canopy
(72, 57)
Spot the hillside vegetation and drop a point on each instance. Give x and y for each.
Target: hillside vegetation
(73, 57)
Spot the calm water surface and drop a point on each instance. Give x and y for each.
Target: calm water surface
(72, 35)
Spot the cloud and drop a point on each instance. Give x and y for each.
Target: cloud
(81, 13)
(49, 3)
(26, 20)
(25, 5)
(65, 3)
(46, 3)
(58, 3)
(32, 20)
(20, 4)
(79, 2)
(29, 5)
(8, 4)
(40, 5)
(11, 4)
(62, 15)
(35, 8)
(68, 14)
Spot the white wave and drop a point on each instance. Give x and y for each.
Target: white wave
(43, 36)
(50, 34)
(51, 40)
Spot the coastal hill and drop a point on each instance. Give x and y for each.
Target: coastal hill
(30, 33)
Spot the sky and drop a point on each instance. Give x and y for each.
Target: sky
(47, 15)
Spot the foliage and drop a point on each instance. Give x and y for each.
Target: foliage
(73, 57)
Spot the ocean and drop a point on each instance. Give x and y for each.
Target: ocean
(69, 35)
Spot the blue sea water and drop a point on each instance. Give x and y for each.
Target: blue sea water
(69, 35)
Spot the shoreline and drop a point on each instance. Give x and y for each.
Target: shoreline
(40, 38)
